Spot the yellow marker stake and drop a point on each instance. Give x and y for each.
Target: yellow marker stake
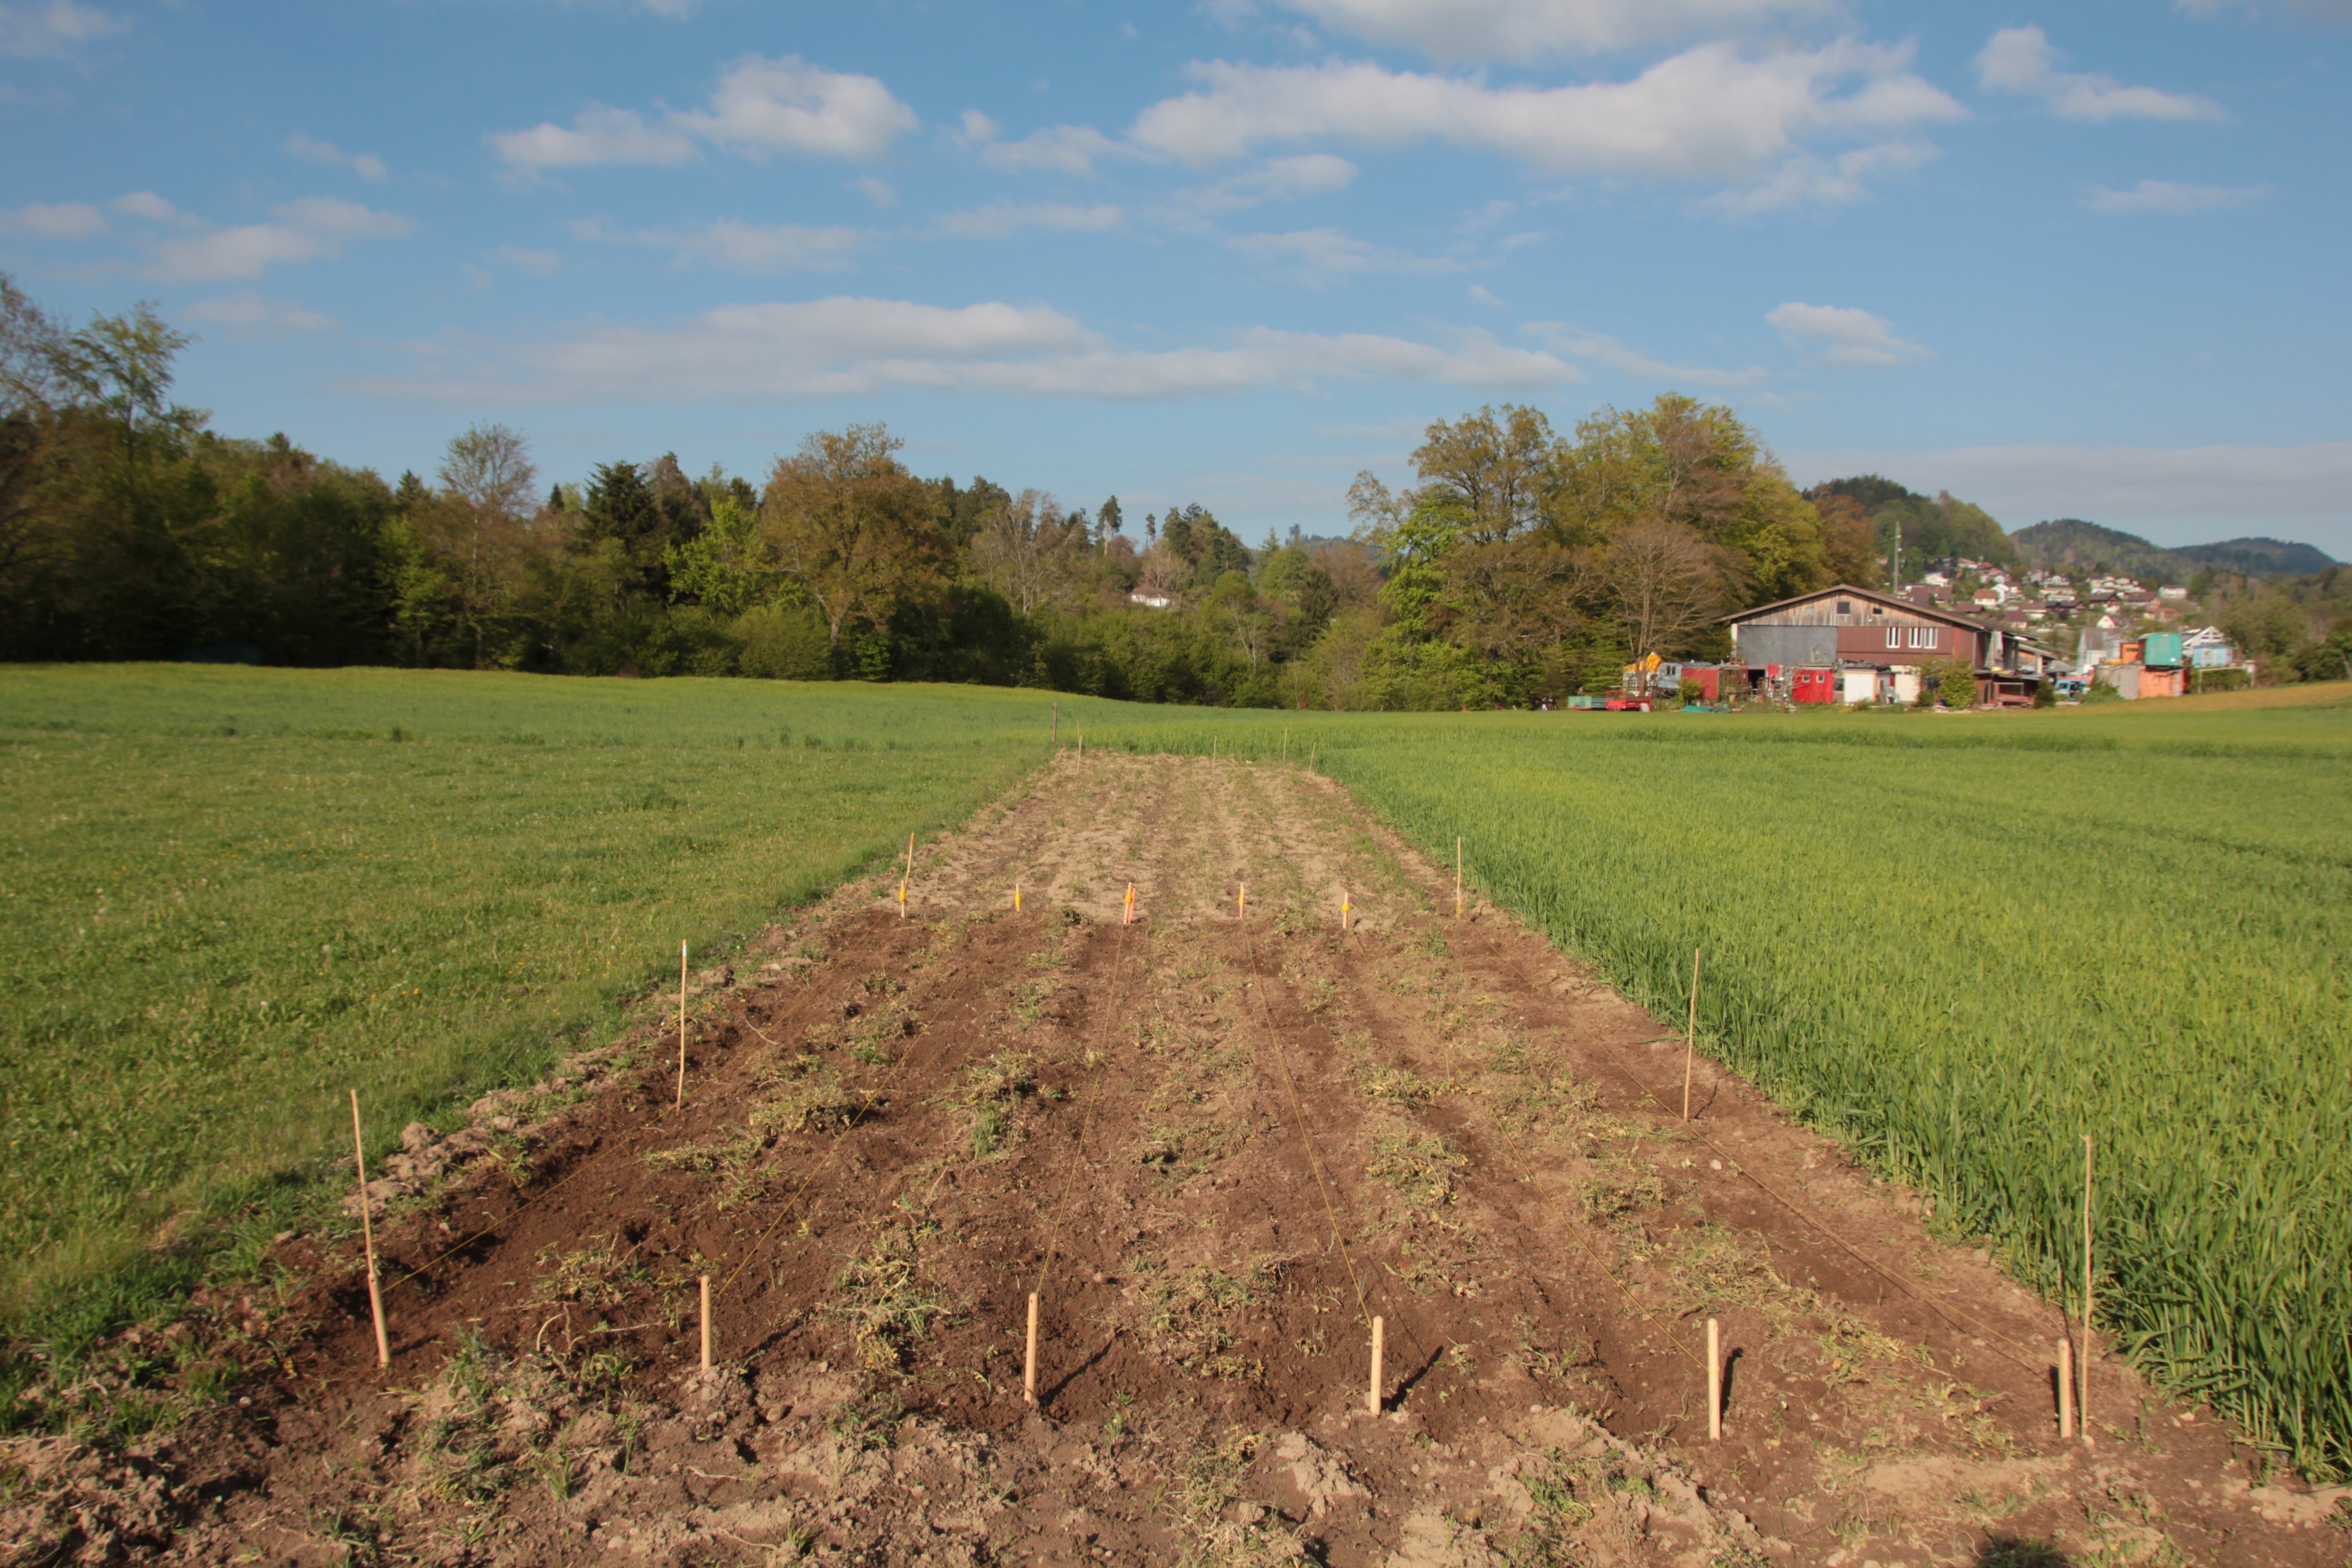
(681, 1023)
(1344, 906)
(1131, 905)
(1379, 1346)
(1240, 901)
(706, 1322)
(1714, 1382)
(1016, 898)
(367, 1233)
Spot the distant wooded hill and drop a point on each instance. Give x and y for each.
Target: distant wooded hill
(1928, 529)
(2070, 543)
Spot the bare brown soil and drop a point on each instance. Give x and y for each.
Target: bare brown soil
(1214, 1147)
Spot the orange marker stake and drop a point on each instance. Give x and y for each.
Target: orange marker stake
(706, 1322)
(1131, 905)
(1240, 901)
(1029, 1365)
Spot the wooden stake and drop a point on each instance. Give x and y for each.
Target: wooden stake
(1380, 1349)
(1130, 906)
(2065, 1390)
(681, 1024)
(1029, 1366)
(1286, 743)
(1057, 724)
(706, 1322)
(1312, 747)
(1016, 898)
(1082, 742)
(907, 878)
(1713, 1382)
(1457, 876)
(1240, 901)
(1690, 1036)
(367, 1236)
(1343, 912)
(2083, 1400)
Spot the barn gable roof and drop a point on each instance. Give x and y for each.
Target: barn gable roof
(1848, 591)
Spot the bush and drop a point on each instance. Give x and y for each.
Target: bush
(1951, 681)
(782, 644)
(1690, 692)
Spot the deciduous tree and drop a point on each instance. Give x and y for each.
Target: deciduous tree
(851, 525)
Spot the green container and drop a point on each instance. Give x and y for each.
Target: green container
(2162, 649)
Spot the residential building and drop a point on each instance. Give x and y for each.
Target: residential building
(1804, 646)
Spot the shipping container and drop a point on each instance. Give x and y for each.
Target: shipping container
(2162, 650)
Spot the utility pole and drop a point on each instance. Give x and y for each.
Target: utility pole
(1898, 557)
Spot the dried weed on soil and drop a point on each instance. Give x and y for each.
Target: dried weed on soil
(1236, 1141)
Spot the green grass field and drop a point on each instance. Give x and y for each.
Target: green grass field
(1958, 942)
(229, 895)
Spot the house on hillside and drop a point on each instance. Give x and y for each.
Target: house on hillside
(1848, 645)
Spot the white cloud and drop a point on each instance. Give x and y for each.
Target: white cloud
(1534, 29)
(1844, 335)
(1278, 179)
(1599, 348)
(881, 193)
(1809, 180)
(761, 106)
(59, 27)
(786, 105)
(367, 165)
(2019, 59)
(2321, 10)
(246, 314)
(1485, 296)
(740, 247)
(1315, 256)
(538, 263)
(1064, 149)
(305, 230)
(1710, 113)
(999, 219)
(853, 346)
(147, 205)
(597, 134)
(54, 220)
(2172, 197)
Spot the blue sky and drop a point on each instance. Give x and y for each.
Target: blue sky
(2082, 258)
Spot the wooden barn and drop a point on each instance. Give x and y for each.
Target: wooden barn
(1848, 644)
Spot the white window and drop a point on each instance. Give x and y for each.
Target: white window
(1923, 636)
(1895, 637)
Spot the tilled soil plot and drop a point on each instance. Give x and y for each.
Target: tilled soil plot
(1215, 1144)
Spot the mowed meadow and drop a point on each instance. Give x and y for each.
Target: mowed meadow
(228, 896)
(1958, 942)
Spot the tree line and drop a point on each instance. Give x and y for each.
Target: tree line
(1524, 563)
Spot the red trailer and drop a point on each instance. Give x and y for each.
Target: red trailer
(1814, 686)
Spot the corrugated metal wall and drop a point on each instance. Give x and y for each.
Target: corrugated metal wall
(1761, 645)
